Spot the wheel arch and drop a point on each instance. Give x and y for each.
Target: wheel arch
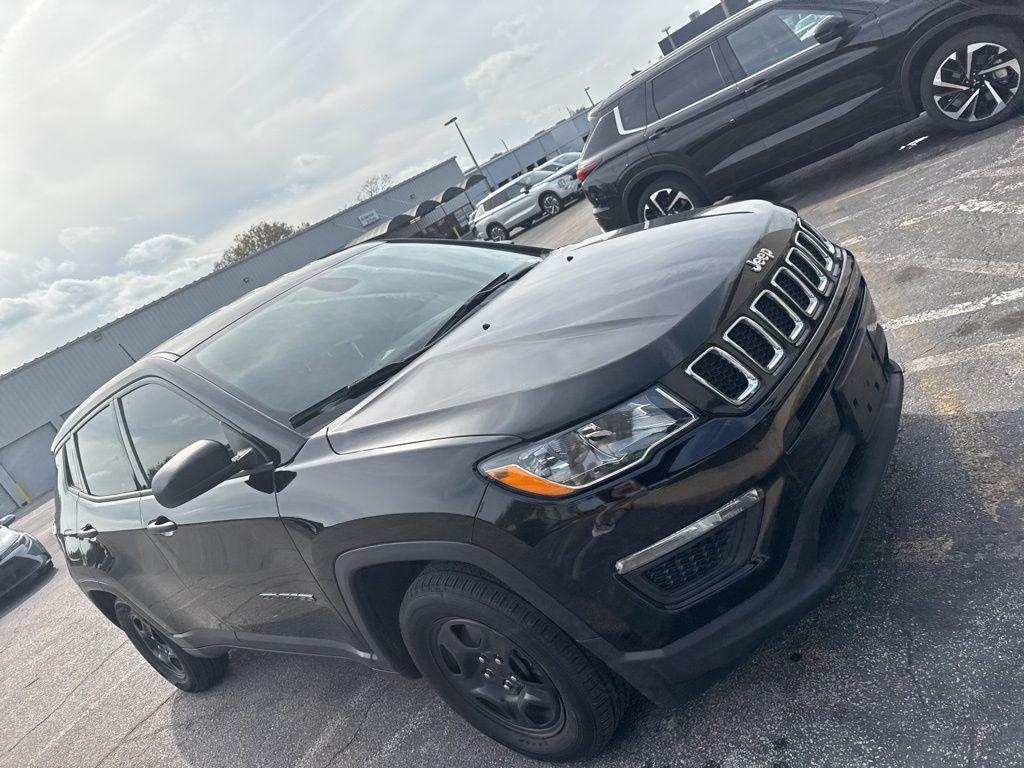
(373, 580)
(914, 63)
(104, 601)
(635, 186)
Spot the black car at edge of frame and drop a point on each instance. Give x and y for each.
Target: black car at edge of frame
(540, 479)
(784, 83)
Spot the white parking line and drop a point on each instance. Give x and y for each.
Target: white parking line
(997, 207)
(992, 300)
(1013, 270)
(980, 353)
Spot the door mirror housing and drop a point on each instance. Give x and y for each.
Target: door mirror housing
(197, 469)
(6, 520)
(833, 28)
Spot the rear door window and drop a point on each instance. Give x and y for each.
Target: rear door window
(498, 198)
(629, 114)
(776, 36)
(160, 423)
(688, 82)
(104, 461)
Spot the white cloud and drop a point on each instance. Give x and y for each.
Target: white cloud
(157, 250)
(79, 239)
(498, 67)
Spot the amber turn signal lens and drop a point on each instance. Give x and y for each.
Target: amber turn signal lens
(521, 480)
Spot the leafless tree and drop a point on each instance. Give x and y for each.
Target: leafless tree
(256, 238)
(374, 185)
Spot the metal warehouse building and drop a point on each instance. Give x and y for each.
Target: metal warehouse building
(37, 397)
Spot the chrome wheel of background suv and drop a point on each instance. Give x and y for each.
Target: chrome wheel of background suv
(977, 82)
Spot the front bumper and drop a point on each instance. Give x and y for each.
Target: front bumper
(830, 524)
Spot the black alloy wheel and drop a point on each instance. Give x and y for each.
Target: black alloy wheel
(974, 80)
(506, 668)
(667, 196)
(189, 673)
(551, 203)
(497, 232)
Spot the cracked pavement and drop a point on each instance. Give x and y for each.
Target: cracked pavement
(915, 659)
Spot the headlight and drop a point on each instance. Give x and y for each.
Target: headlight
(593, 451)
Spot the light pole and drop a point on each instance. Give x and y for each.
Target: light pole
(455, 121)
(671, 42)
(591, 98)
(726, 9)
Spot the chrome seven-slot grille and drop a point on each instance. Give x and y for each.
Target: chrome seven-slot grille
(755, 344)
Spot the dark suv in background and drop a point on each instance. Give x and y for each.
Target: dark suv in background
(539, 479)
(787, 82)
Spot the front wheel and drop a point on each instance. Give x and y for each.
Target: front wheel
(973, 81)
(668, 195)
(507, 670)
(551, 203)
(190, 673)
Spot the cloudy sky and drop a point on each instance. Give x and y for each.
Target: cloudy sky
(138, 136)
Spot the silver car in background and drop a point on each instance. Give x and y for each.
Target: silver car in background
(544, 191)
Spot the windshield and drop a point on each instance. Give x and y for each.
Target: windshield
(347, 322)
(8, 538)
(533, 177)
(562, 160)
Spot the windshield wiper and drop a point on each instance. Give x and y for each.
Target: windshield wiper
(382, 374)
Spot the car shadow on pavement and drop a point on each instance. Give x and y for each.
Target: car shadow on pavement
(915, 655)
(879, 158)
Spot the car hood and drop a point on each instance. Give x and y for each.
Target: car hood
(590, 326)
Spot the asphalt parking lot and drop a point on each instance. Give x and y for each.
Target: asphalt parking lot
(915, 660)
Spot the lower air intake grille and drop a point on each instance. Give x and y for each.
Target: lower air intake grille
(695, 561)
(724, 375)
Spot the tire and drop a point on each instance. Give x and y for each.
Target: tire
(190, 673)
(551, 204)
(668, 195)
(981, 100)
(497, 232)
(507, 670)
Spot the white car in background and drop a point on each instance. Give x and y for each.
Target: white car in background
(544, 191)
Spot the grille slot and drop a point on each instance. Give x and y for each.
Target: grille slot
(816, 249)
(806, 267)
(796, 291)
(696, 561)
(780, 317)
(750, 339)
(724, 375)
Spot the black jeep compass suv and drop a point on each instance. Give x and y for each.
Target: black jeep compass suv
(539, 479)
(787, 82)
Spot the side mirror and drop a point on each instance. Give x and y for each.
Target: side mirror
(6, 520)
(197, 469)
(833, 28)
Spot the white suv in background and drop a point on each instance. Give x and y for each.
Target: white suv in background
(541, 192)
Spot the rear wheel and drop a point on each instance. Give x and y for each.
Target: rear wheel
(188, 672)
(668, 195)
(551, 203)
(497, 232)
(973, 81)
(507, 670)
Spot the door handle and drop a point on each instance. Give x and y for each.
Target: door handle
(162, 525)
(658, 132)
(88, 532)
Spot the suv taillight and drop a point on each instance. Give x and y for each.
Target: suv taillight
(586, 167)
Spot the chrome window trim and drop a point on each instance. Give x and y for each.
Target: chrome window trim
(753, 383)
(814, 302)
(734, 86)
(777, 358)
(694, 531)
(824, 286)
(797, 336)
